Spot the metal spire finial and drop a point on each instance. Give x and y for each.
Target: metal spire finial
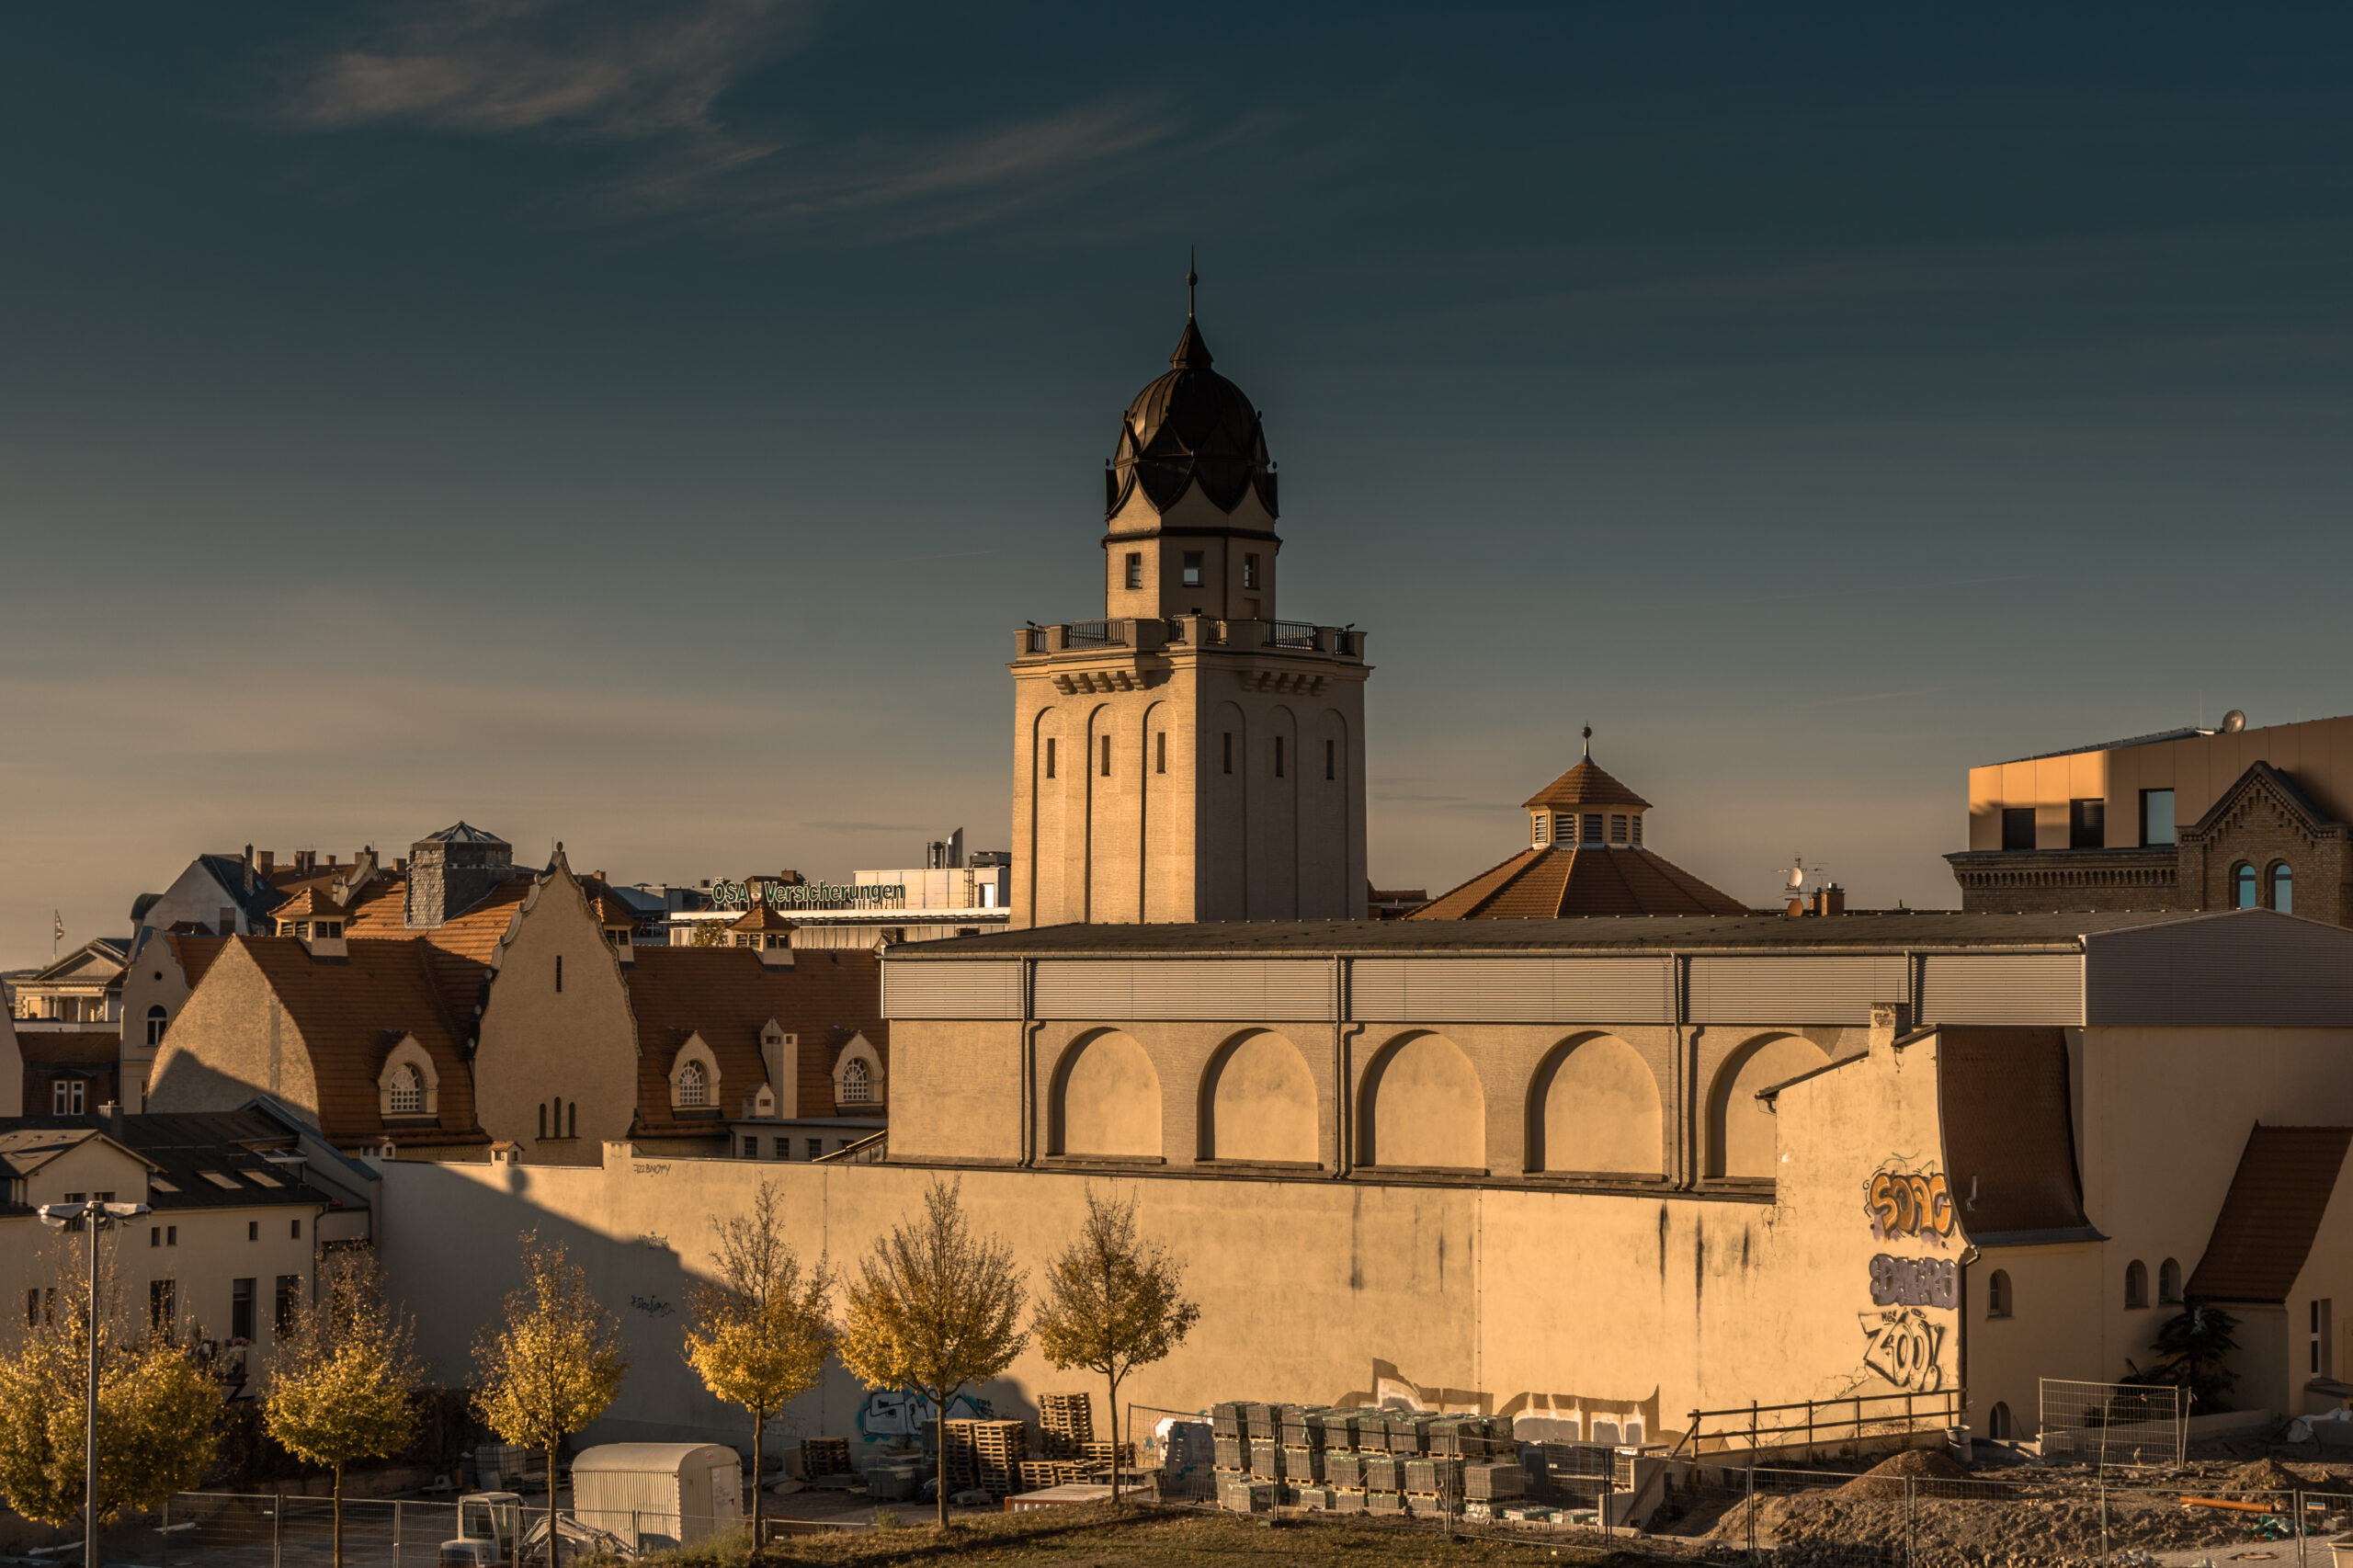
(1191, 278)
(1588, 742)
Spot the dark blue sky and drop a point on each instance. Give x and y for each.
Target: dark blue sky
(644, 425)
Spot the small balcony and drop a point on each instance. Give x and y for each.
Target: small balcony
(1150, 635)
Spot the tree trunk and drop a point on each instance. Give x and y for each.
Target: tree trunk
(1114, 1377)
(338, 1514)
(759, 1443)
(940, 1425)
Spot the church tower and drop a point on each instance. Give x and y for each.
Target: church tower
(1192, 755)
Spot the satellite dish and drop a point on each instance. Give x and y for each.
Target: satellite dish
(1797, 877)
(2234, 721)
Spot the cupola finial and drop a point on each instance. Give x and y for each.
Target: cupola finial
(1191, 278)
(1588, 742)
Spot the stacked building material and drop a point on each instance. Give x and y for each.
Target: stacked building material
(823, 1456)
(1242, 1496)
(984, 1455)
(1365, 1461)
(1493, 1480)
(1065, 1423)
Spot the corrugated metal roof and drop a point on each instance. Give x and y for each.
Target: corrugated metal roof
(2265, 1231)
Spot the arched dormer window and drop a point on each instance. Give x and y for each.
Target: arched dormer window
(858, 1083)
(858, 1074)
(158, 1019)
(2283, 888)
(696, 1083)
(408, 1086)
(2243, 888)
(694, 1087)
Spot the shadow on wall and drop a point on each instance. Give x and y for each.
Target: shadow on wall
(455, 1273)
(188, 1084)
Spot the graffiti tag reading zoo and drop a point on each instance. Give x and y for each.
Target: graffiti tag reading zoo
(1914, 1281)
(1909, 1204)
(1904, 1348)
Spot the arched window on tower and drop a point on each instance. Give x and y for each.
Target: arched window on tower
(2137, 1284)
(2283, 889)
(2243, 886)
(1997, 1295)
(2169, 1283)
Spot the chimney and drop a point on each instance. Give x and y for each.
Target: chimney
(330, 862)
(1830, 899)
(111, 1114)
(1890, 1021)
(249, 867)
(268, 859)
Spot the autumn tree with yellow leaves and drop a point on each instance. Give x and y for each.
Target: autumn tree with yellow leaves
(156, 1406)
(554, 1364)
(1112, 1303)
(758, 1335)
(934, 1309)
(342, 1379)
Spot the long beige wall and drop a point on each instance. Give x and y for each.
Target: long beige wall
(1633, 1305)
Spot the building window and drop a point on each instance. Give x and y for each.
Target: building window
(155, 1235)
(858, 1083)
(572, 1120)
(1229, 751)
(1998, 1422)
(2087, 825)
(1617, 829)
(559, 971)
(1331, 760)
(694, 1088)
(543, 1119)
(2018, 827)
(1050, 756)
(2157, 817)
(1107, 757)
(156, 1019)
(1593, 829)
(2169, 1283)
(1192, 568)
(1278, 756)
(2321, 1313)
(253, 1230)
(1543, 819)
(2283, 889)
(1160, 751)
(1638, 830)
(65, 1097)
(1249, 571)
(2137, 1284)
(784, 1148)
(240, 1310)
(1997, 1295)
(290, 1296)
(171, 1235)
(816, 1147)
(295, 1231)
(2243, 886)
(1135, 569)
(409, 1090)
(751, 1148)
(159, 1308)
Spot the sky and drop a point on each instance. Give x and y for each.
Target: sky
(643, 426)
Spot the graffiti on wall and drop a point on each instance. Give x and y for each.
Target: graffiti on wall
(1914, 1281)
(901, 1412)
(1904, 1348)
(1909, 1205)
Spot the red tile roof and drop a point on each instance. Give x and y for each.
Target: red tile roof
(351, 1012)
(760, 918)
(2271, 1213)
(1549, 884)
(196, 954)
(1585, 785)
(727, 994)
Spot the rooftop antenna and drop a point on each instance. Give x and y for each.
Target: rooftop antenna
(1191, 278)
(1588, 742)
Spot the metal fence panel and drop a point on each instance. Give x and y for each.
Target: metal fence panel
(2114, 1423)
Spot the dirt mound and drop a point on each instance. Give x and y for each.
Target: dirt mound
(2263, 1475)
(1913, 1464)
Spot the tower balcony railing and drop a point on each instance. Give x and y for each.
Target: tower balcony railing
(1148, 634)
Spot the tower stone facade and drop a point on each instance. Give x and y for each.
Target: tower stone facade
(1191, 755)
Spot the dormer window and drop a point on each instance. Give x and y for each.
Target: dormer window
(858, 1083)
(407, 1091)
(694, 1088)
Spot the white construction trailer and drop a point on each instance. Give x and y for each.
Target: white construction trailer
(658, 1495)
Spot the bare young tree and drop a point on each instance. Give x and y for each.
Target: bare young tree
(934, 1309)
(342, 1384)
(554, 1363)
(758, 1334)
(1112, 1303)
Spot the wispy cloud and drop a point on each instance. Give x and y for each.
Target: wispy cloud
(651, 77)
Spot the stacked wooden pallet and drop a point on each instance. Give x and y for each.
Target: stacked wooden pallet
(824, 1456)
(983, 1456)
(1065, 1423)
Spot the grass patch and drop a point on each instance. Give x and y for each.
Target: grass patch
(1143, 1536)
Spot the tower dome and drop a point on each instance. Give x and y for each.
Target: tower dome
(1190, 426)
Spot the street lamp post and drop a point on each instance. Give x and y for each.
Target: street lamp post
(96, 1216)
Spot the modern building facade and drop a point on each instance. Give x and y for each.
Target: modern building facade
(1192, 755)
(2229, 818)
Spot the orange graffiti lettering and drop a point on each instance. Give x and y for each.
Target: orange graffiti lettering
(1908, 1204)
